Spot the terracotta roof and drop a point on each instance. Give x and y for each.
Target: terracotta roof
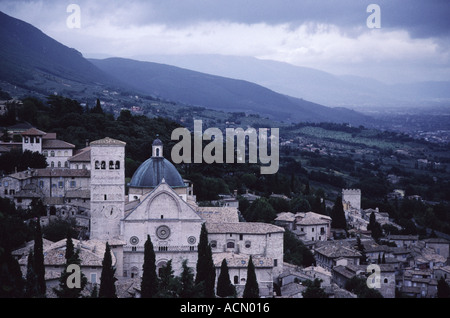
(219, 214)
(336, 251)
(62, 172)
(84, 155)
(243, 228)
(311, 218)
(108, 142)
(241, 260)
(33, 132)
(56, 144)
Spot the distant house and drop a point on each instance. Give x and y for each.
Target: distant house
(308, 226)
(328, 255)
(382, 278)
(441, 246)
(57, 152)
(403, 240)
(419, 284)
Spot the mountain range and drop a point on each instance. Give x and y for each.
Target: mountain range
(34, 62)
(360, 93)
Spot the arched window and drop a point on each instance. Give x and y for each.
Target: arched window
(248, 244)
(97, 165)
(157, 152)
(111, 165)
(134, 272)
(103, 165)
(117, 164)
(52, 153)
(236, 280)
(59, 164)
(385, 280)
(230, 245)
(213, 244)
(52, 164)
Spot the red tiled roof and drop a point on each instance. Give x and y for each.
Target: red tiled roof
(56, 144)
(33, 132)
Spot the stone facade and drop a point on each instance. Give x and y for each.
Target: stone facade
(351, 199)
(173, 226)
(107, 188)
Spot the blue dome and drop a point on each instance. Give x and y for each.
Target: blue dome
(153, 170)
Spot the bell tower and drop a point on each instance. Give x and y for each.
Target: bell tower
(107, 188)
(157, 148)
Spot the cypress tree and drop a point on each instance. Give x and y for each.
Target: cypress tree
(167, 282)
(206, 272)
(338, 220)
(187, 289)
(107, 279)
(149, 283)
(69, 246)
(443, 289)
(39, 267)
(251, 289)
(97, 109)
(314, 290)
(224, 286)
(31, 286)
(11, 281)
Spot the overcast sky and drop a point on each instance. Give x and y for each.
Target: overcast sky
(412, 44)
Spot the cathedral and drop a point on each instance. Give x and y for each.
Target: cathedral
(162, 205)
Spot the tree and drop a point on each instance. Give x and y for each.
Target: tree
(374, 227)
(295, 252)
(358, 286)
(97, 109)
(224, 286)
(31, 287)
(338, 220)
(362, 250)
(149, 283)
(299, 204)
(443, 289)
(59, 229)
(39, 258)
(206, 272)
(107, 279)
(168, 283)
(187, 287)
(70, 250)
(11, 281)
(251, 289)
(260, 211)
(313, 289)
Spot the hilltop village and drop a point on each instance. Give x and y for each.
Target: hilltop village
(88, 186)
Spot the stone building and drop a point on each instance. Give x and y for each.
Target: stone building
(56, 151)
(308, 226)
(351, 199)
